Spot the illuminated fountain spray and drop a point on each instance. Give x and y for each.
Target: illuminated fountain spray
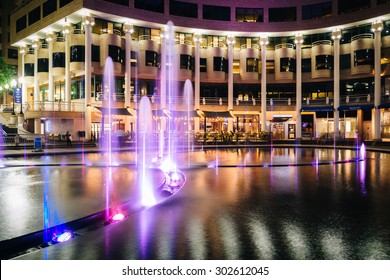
(362, 152)
(174, 178)
(145, 152)
(188, 95)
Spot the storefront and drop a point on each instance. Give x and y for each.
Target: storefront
(385, 120)
(246, 122)
(215, 121)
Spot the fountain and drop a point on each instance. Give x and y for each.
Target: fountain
(149, 192)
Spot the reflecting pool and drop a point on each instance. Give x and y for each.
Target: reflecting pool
(279, 203)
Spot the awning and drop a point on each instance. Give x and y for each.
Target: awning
(317, 109)
(114, 111)
(356, 107)
(281, 118)
(159, 113)
(386, 105)
(214, 114)
(183, 114)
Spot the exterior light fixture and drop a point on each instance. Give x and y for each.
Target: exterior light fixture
(377, 25)
(197, 37)
(298, 38)
(336, 34)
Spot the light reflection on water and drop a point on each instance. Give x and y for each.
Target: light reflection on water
(339, 211)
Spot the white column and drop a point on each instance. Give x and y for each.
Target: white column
(230, 42)
(37, 99)
(263, 43)
(67, 32)
(37, 126)
(377, 27)
(128, 28)
(336, 35)
(88, 23)
(197, 41)
(298, 105)
(49, 39)
(23, 51)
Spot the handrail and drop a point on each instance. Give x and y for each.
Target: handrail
(149, 38)
(285, 45)
(218, 45)
(111, 31)
(60, 39)
(185, 42)
(322, 42)
(78, 31)
(362, 36)
(250, 46)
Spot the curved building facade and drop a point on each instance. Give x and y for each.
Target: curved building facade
(297, 69)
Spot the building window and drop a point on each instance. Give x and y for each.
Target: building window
(64, 2)
(216, 12)
(306, 65)
(21, 23)
(287, 64)
(324, 62)
(345, 61)
(59, 59)
(151, 58)
(220, 64)
(49, 7)
(29, 69)
(282, 14)
(119, 2)
(319, 10)
(77, 54)
(203, 65)
(12, 54)
(150, 5)
(380, 2)
(43, 65)
(115, 53)
(34, 15)
(252, 65)
(77, 89)
(347, 6)
(364, 57)
(186, 62)
(95, 55)
(249, 15)
(133, 58)
(183, 9)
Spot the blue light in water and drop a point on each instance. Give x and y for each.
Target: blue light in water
(62, 237)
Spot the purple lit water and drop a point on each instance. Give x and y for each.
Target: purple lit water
(309, 211)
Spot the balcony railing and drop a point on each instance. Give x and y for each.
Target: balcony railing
(78, 106)
(250, 46)
(287, 46)
(362, 36)
(322, 42)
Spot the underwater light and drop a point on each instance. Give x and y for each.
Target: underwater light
(62, 237)
(118, 217)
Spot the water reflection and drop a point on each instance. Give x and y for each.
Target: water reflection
(320, 211)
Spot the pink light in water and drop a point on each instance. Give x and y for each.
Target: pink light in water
(362, 151)
(118, 217)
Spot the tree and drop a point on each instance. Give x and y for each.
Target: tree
(7, 73)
